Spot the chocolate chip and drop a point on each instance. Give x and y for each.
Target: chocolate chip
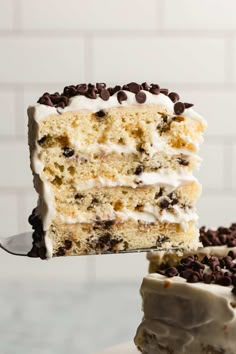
(193, 277)
(160, 193)
(104, 94)
(207, 278)
(34, 252)
(42, 252)
(188, 105)
(182, 161)
(61, 252)
(42, 140)
(121, 96)
(179, 108)
(100, 114)
(164, 203)
(68, 244)
(155, 89)
(134, 87)
(174, 96)
(100, 86)
(46, 100)
(68, 152)
(82, 88)
(225, 281)
(79, 196)
(171, 272)
(139, 170)
(232, 254)
(141, 97)
(116, 89)
(145, 86)
(91, 93)
(109, 223)
(164, 91)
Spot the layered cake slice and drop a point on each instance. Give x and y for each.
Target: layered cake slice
(189, 302)
(113, 170)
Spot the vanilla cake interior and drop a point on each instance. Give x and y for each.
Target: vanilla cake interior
(113, 168)
(189, 301)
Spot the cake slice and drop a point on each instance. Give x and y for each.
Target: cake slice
(113, 168)
(189, 303)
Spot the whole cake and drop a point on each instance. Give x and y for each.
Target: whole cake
(189, 302)
(113, 170)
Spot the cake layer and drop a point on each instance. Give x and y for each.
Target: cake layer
(102, 236)
(148, 128)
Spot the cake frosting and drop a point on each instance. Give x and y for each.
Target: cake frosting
(189, 301)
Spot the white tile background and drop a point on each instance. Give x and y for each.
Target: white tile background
(188, 46)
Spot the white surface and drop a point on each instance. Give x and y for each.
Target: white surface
(128, 348)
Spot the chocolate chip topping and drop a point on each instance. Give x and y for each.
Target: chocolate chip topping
(121, 96)
(174, 96)
(209, 270)
(100, 90)
(164, 91)
(155, 89)
(188, 105)
(134, 87)
(219, 237)
(141, 97)
(179, 108)
(68, 152)
(104, 94)
(100, 114)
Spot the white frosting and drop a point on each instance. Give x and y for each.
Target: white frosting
(149, 215)
(172, 179)
(78, 103)
(182, 316)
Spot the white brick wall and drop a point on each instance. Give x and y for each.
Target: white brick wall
(188, 46)
(89, 15)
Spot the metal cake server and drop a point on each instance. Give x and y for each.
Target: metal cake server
(18, 245)
(21, 244)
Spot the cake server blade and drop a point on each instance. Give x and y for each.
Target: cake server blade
(21, 244)
(18, 245)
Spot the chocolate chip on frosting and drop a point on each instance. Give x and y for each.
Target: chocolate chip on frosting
(104, 94)
(174, 96)
(188, 105)
(121, 96)
(179, 108)
(164, 91)
(145, 86)
(141, 97)
(100, 90)
(134, 87)
(155, 89)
